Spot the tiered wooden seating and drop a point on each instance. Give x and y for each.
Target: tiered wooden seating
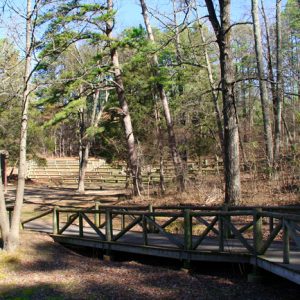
(101, 175)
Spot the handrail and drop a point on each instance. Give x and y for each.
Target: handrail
(37, 217)
(222, 223)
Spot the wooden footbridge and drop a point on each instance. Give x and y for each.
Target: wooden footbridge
(265, 237)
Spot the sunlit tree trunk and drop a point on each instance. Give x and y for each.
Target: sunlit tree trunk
(4, 222)
(279, 85)
(178, 165)
(13, 238)
(262, 84)
(231, 135)
(131, 147)
(85, 141)
(212, 83)
(161, 150)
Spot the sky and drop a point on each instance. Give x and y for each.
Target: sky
(129, 12)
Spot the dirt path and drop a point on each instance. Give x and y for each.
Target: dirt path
(45, 270)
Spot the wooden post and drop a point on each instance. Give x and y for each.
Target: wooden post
(151, 226)
(286, 244)
(271, 224)
(257, 230)
(188, 242)
(122, 222)
(108, 227)
(188, 237)
(97, 216)
(55, 220)
(226, 229)
(145, 231)
(221, 233)
(80, 225)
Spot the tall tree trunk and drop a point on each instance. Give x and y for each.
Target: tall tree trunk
(131, 147)
(13, 238)
(262, 84)
(269, 59)
(279, 85)
(231, 135)
(212, 84)
(83, 152)
(161, 150)
(4, 222)
(85, 141)
(178, 165)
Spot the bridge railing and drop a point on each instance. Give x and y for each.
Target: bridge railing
(249, 231)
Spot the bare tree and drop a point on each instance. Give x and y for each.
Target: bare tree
(279, 84)
(212, 83)
(222, 30)
(85, 139)
(178, 165)
(11, 232)
(262, 84)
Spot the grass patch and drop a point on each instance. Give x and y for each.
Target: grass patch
(34, 292)
(10, 259)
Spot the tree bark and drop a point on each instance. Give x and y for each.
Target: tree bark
(269, 59)
(177, 162)
(85, 141)
(13, 238)
(262, 84)
(131, 147)
(212, 85)
(161, 151)
(4, 221)
(279, 85)
(83, 152)
(231, 135)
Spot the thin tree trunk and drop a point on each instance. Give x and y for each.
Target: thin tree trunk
(161, 151)
(83, 152)
(212, 86)
(279, 85)
(13, 238)
(178, 165)
(231, 135)
(131, 147)
(262, 84)
(4, 221)
(269, 59)
(85, 141)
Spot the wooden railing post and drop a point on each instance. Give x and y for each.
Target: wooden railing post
(122, 222)
(145, 230)
(226, 229)
(108, 227)
(80, 224)
(221, 233)
(188, 242)
(271, 224)
(55, 220)
(97, 215)
(286, 243)
(257, 230)
(151, 226)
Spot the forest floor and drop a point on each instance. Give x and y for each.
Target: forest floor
(42, 269)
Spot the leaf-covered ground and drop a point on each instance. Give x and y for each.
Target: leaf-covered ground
(45, 270)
